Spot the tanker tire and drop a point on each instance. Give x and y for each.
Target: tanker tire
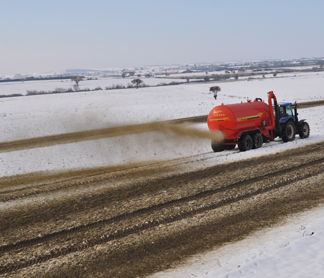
(245, 143)
(257, 140)
(217, 146)
(304, 132)
(288, 132)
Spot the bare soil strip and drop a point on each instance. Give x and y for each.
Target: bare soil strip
(172, 125)
(138, 227)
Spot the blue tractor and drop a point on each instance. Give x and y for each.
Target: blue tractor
(287, 123)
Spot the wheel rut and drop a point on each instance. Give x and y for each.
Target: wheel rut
(211, 192)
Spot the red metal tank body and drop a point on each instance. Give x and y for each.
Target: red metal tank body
(233, 119)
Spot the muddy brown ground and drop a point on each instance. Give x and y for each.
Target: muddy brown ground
(134, 220)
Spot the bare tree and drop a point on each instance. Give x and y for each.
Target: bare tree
(77, 79)
(136, 82)
(215, 90)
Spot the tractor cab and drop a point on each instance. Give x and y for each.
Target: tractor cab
(286, 112)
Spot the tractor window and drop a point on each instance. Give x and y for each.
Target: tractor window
(289, 111)
(282, 111)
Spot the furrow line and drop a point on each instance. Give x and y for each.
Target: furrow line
(134, 229)
(139, 169)
(158, 207)
(34, 193)
(161, 206)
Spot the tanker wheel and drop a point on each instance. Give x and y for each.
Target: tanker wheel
(288, 132)
(217, 146)
(304, 132)
(257, 140)
(245, 143)
(230, 147)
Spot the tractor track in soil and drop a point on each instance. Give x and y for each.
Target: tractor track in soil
(9, 193)
(96, 175)
(114, 226)
(208, 193)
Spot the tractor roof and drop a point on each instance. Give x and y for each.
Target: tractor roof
(284, 104)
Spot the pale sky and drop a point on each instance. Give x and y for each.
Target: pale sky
(43, 35)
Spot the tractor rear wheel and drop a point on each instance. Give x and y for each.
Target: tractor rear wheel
(217, 146)
(245, 143)
(257, 140)
(304, 132)
(288, 132)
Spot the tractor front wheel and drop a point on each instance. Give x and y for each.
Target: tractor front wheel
(288, 132)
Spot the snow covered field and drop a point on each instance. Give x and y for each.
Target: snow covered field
(279, 252)
(35, 116)
(21, 87)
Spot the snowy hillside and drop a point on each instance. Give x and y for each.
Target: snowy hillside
(294, 250)
(35, 116)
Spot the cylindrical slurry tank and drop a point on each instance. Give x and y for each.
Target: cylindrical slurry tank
(233, 119)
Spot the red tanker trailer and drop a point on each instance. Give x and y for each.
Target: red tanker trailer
(251, 123)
